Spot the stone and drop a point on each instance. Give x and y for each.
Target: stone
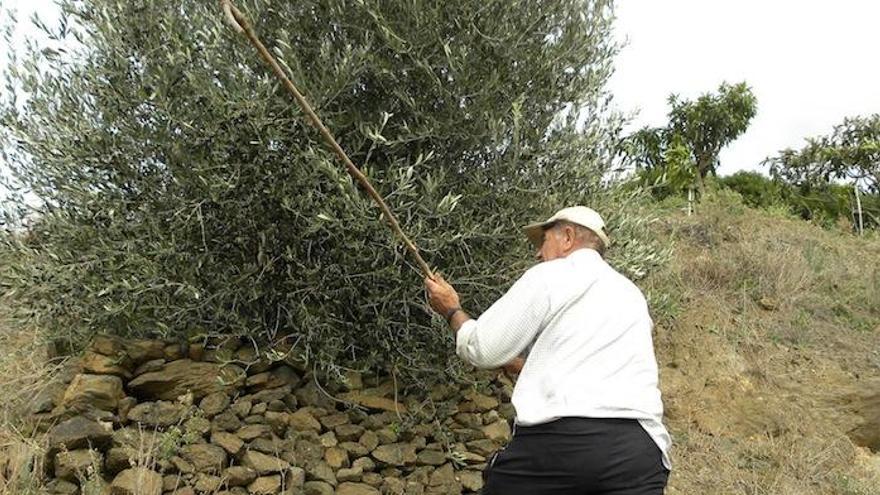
(182, 465)
(161, 413)
(213, 404)
(277, 405)
(229, 442)
(303, 420)
(137, 481)
(259, 408)
(386, 436)
(372, 479)
(349, 433)
(197, 426)
(352, 380)
(143, 350)
(99, 364)
(171, 482)
(254, 431)
(349, 474)
(364, 463)
(395, 454)
(265, 485)
(184, 491)
(205, 457)
(354, 449)
(73, 464)
(239, 475)
(482, 403)
(78, 432)
(483, 447)
(87, 392)
(393, 486)
(278, 421)
(431, 458)
(271, 446)
(373, 402)
(317, 488)
(498, 431)
(469, 420)
(328, 439)
(443, 475)
(182, 376)
(296, 477)
(310, 395)
(331, 421)
(61, 487)
(173, 352)
(149, 366)
(48, 397)
(349, 488)
(471, 480)
(369, 440)
(321, 471)
(271, 394)
(206, 483)
(225, 421)
(336, 457)
(117, 459)
(241, 407)
(262, 463)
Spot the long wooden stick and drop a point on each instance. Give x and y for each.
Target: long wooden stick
(243, 25)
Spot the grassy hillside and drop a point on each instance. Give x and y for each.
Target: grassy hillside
(768, 337)
(770, 367)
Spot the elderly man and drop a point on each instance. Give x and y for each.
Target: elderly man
(588, 408)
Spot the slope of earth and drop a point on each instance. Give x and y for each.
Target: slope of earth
(769, 347)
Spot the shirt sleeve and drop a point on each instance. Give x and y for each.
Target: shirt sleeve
(509, 326)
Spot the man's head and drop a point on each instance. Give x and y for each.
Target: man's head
(568, 230)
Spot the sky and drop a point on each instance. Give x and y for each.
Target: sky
(810, 62)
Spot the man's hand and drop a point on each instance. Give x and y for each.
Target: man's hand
(441, 295)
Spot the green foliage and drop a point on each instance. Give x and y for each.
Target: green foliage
(672, 159)
(850, 153)
(184, 195)
(756, 190)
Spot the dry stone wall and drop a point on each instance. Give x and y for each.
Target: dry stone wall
(148, 417)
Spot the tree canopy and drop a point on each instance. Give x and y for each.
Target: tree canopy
(182, 194)
(687, 148)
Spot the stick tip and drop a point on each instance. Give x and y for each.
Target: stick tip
(226, 5)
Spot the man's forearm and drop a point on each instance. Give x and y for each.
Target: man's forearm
(458, 319)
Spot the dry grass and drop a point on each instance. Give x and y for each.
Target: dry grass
(774, 344)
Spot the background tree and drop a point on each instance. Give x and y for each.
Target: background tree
(698, 129)
(850, 153)
(182, 194)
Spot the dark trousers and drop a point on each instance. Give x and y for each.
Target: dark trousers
(578, 456)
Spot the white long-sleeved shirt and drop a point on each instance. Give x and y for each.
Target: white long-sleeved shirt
(587, 332)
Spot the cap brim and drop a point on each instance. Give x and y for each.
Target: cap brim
(535, 233)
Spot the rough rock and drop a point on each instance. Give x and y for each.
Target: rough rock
(137, 481)
(61, 487)
(303, 420)
(471, 480)
(350, 474)
(229, 442)
(373, 402)
(336, 457)
(317, 488)
(239, 475)
(205, 457)
(87, 392)
(443, 475)
(251, 432)
(265, 485)
(349, 488)
(321, 471)
(78, 432)
(213, 404)
(431, 458)
(395, 454)
(99, 364)
(262, 463)
(179, 377)
(483, 447)
(72, 464)
(349, 433)
(498, 431)
(159, 413)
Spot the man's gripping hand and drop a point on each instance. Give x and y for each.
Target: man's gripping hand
(442, 296)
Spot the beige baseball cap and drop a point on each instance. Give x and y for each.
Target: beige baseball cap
(580, 215)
